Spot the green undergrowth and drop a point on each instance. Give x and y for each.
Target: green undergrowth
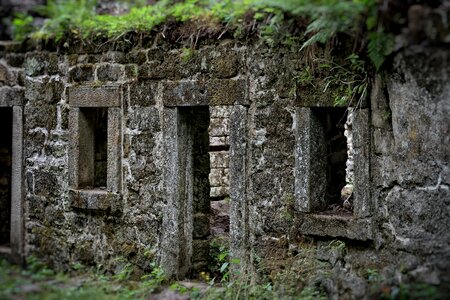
(37, 281)
(300, 277)
(300, 23)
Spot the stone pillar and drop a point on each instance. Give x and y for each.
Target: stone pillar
(239, 211)
(361, 155)
(310, 162)
(114, 169)
(17, 221)
(172, 231)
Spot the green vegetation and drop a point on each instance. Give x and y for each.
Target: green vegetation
(299, 278)
(320, 21)
(37, 281)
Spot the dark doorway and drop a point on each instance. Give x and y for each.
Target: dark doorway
(5, 174)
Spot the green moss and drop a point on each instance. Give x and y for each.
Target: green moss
(187, 54)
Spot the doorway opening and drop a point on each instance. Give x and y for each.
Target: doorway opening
(5, 176)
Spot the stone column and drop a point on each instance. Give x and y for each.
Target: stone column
(17, 222)
(239, 211)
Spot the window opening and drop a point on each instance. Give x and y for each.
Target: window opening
(93, 148)
(334, 148)
(5, 175)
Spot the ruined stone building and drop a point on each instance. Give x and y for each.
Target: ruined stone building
(121, 151)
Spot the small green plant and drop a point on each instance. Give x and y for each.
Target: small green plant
(125, 269)
(305, 77)
(77, 266)
(22, 26)
(37, 269)
(337, 245)
(350, 81)
(220, 264)
(155, 279)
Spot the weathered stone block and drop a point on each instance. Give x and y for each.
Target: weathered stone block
(217, 177)
(138, 57)
(6, 76)
(201, 226)
(217, 192)
(142, 93)
(41, 63)
(82, 73)
(201, 253)
(219, 159)
(213, 92)
(131, 71)
(225, 64)
(109, 72)
(219, 141)
(35, 114)
(219, 127)
(115, 57)
(45, 182)
(219, 112)
(150, 70)
(10, 96)
(15, 60)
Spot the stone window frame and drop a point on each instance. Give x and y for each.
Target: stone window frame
(17, 230)
(357, 226)
(110, 97)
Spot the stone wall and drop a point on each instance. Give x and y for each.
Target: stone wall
(160, 101)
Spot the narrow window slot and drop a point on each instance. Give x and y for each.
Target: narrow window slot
(93, 158)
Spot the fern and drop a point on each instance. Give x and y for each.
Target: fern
(380, 46)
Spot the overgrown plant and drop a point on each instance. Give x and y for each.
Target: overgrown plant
(350, 81)
(325, 20)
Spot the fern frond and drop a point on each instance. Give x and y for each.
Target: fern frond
(380, 45)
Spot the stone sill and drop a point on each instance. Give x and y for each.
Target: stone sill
(95, 199)
(8, 254)
(349, 227)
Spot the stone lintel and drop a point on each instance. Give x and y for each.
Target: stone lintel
(211, 92)
(95, 200)
(89, 96)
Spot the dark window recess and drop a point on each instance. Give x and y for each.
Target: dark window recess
(334, 148)
(5, 174)
(93, 147)
(217, 148)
